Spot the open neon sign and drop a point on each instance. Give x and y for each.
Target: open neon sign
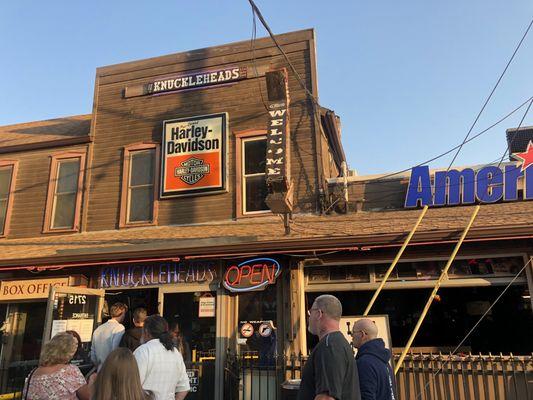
(250, 275)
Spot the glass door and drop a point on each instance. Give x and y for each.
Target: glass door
(192, 318)
(21, 335)
(78, 311)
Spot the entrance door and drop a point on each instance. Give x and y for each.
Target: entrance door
(146, 298)
(21, 335)
(74, 309)
(258, 340)
(192, 318)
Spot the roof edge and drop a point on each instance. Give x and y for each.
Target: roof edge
(46, 144)
(346, 242)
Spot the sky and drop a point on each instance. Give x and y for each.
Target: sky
(407, 78)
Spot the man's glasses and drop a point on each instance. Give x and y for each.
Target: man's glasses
(313, 309)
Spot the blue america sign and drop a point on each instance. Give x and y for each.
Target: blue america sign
(489, 184)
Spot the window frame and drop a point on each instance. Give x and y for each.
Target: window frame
(240, 138)
(124, 193)
(56, 159)
(9, 209)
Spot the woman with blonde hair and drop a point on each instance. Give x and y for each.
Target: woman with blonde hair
(55, 378)
(118, 378)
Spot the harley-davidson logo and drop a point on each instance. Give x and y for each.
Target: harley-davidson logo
(191, 170)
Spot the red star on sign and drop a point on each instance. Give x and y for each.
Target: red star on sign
(527, 157)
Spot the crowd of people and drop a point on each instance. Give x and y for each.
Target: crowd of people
(142, 363)
(331, 371)
(146, 362)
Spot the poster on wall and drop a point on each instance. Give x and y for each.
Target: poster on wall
(207, 306)
(194, 155)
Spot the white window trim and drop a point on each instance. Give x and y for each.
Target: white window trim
(244, 176)
(55, 194)
(130, 187)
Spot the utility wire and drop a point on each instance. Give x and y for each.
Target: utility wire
(392, 192)
(293, 69)
(254, 61)
(381, 178)
(257, 12)
(491, 93)
(465, 140)
(513, 137)
(317, 106)
(458, 147)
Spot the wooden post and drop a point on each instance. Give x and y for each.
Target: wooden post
(391, 268)
(435, 290)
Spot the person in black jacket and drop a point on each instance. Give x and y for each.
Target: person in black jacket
(132, 337)
(376, 379)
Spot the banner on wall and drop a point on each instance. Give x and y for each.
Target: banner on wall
(194, 155)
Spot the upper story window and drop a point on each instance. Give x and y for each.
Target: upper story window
(7, 183)
(251, 159)
(65, 193)
(139, 185)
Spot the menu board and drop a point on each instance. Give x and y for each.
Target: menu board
(74, 312)
(84, 327)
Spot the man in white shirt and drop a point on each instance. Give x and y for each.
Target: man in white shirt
(106, 337)
(161, 365)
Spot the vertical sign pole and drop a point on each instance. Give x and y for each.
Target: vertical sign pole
(393, 265)
(435, 290)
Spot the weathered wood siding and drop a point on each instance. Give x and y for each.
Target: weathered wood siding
(118, 122)
(31, 187)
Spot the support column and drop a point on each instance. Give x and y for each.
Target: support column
(226, 327)
(297, 328)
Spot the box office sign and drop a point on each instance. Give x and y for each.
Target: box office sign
(254, 274)
(138, 275)
(30, 289)
(190, 81)
(194, 155)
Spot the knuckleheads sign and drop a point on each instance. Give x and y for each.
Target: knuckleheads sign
(190, 81)
(489, 184)
(155, 274)
(194, 155)
(251, 275)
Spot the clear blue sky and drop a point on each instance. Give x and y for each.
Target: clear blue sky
(406, 77)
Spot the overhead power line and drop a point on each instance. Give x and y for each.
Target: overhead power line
(381, 178)
(392, 192)
(273, 37)
(491, 93)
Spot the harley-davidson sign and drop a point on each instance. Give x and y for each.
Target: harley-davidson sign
(194, 155)
(255, 274)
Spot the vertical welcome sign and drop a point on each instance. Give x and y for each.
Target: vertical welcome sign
(278, 169)
(194, 155)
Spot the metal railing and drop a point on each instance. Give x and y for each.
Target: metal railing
(421, 377)
(465, 377)
(252, 375)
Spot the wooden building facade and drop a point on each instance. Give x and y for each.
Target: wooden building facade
(158, 199)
